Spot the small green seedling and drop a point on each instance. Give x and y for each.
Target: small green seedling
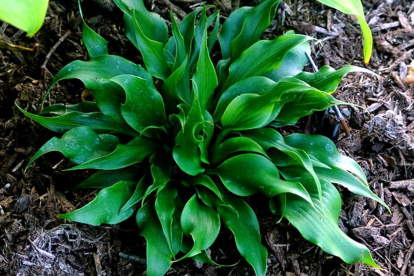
(182, 143)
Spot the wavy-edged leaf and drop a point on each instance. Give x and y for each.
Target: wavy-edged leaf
(262, 57)
(159, 258)
(106, 207)
(309, 102)
(235, 145)
(94, 43)
(249, 173)
(324, 150)
(123, 156)
(168, 206)
(79, 145)
(245, 227)
(269, 138)
(143, 106)
(354, 7)
(152, 24)
(327, 79)
(25, 15)
(292, 64)
(105, 179)
(95, 72)
(254, 25)
(320, 225)
(95, 120)
(200, 222)
(252, 85)
(206, 181)
(186, 152)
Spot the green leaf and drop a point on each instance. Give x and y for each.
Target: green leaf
(105, 179)
(309, 102)
(245, 228)
(252, 85)
(158, 254)
(202, 223)
(168, 207)
(207, 182)
(205, 76)
(106, 207)
(79, 145)
(143, 106)
(151, 50)
(96, 120)
(212, 39)
(254, 25)
(327, 79)
(247, 111)
(161, 170)
(324, 150)
(176, 88)
(139, 192)
(123, 156)
(292, 64)
(186, 153)
(269, 138)
(151, 24)
(355, 8)
(180, 47)
(262, 57)
(94, 75)
(231, 29)
(235, 145)
(199, 30)
(25, 15)
(247, 174)
(208, 134)
(320, 225)
(94, 43)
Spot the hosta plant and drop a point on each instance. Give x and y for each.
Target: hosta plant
(180, 144)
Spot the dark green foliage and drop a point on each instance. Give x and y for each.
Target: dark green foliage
(183, 154)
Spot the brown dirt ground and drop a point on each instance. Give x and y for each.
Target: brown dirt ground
(34, 241)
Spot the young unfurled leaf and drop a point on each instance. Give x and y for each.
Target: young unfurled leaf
(355, 8)
(106, 207)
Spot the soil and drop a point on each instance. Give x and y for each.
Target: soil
(34, 241)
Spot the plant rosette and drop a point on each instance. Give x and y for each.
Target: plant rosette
(182, 143)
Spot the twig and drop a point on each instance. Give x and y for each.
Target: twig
(407, 259)
(403, 58)
(131, 257)
(174, 8)
(53, 50)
